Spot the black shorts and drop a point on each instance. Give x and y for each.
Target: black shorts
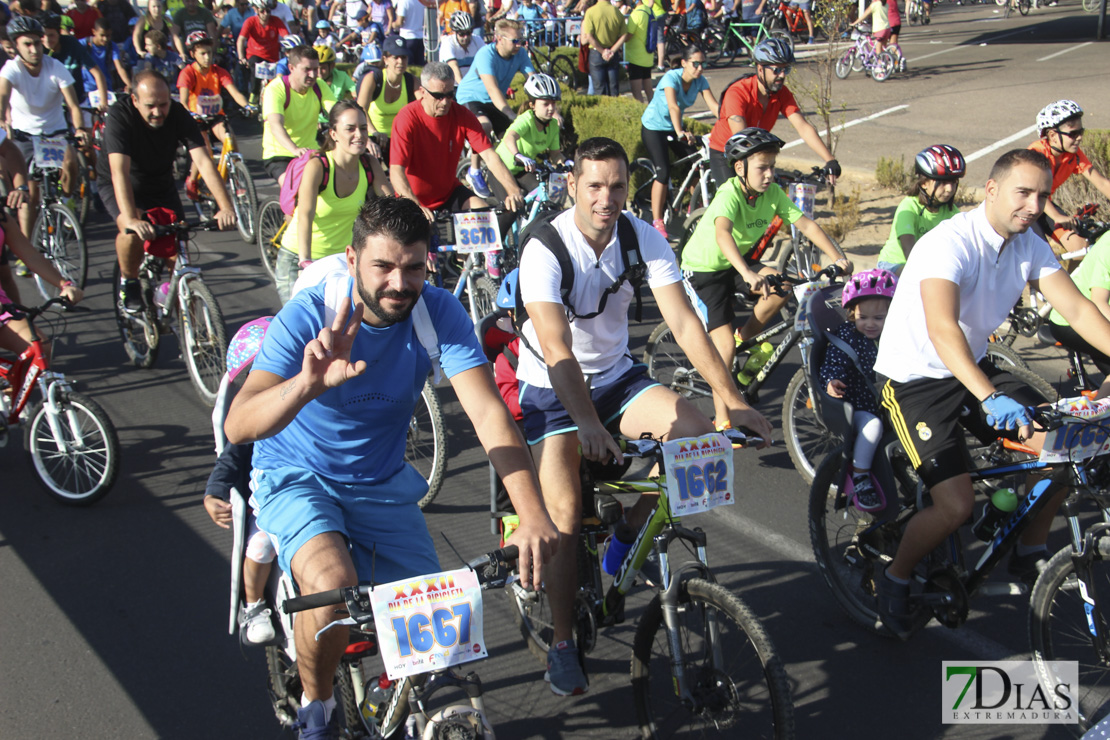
(714, 294)
(657, 145)
(145, 198)
(719, 167)
(924, 414)
(636, 72)
(895, 30)
(497, 119)
(275, 166)
(1070, 338)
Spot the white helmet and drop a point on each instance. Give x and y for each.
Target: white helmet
(542, 87)
(291, 41)
(1056, 113)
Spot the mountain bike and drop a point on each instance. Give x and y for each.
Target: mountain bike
(70, 439)
(560, 66)
(549, 196)
(57, 232)
(722, 42)
(369, 713)
(786, 18)
(866, 57)
(179, 303)
(701, 662)
(236, 178)
(692, 195)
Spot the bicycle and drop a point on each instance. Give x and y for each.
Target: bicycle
(546, 198)
(271, 226)
(471, 280)
(57, 232)
(865, 57)
(72, 443)
(182, 304)
(722, 42)
(691, 196)
(560, 66)
(1091, 6)
(915, 11)
(1022, 6)
(787, 18)
(365, 713)
(701, 661)
(236, 178)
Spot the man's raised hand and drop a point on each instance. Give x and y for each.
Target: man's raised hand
(327, 358)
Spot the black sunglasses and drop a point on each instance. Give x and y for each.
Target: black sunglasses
(1074, 134)
(441, 95)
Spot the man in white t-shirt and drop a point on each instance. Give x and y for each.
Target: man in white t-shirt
(35, 90)
(458, 48)
(956, 289)
(410, 27)
(577, 378)
(282, 12)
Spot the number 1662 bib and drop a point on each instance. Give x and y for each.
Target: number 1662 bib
(699, 473)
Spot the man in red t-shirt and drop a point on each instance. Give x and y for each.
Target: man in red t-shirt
(259, 40)
(84, 16)
(429, 135)
(757, 101)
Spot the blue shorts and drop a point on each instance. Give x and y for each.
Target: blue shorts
(544, 415)
(382, 523)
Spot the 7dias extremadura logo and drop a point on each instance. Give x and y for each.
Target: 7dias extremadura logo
(1008, 692)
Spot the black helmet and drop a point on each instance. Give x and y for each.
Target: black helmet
(940, 162)
(50, 20)
(745, 143)
(21, 25)
(774, 52)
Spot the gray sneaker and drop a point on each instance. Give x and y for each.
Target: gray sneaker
(564, 672)
(894, 606)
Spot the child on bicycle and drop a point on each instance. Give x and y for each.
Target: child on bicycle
(158, 57)
(535, 132)
(930, 201)
(866, 297)
(233, 469)
(717, 262)
(199, 86)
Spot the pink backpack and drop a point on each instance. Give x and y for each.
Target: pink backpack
(295, 170)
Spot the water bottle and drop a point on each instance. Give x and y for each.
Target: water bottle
(378, 694)
(160, 294)
(493, 263)
(1001, 504)
(619, 544)
(756, 360)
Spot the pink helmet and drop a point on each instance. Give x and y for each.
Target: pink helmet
(245, 345)
(868, 284)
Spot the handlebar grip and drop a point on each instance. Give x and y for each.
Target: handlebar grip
(313, 601)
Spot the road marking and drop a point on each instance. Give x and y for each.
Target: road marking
(1000, 143)
(935, 54)
(843, 126)
(1065, 51)
(703, 114)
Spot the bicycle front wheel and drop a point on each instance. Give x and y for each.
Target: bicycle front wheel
(564, 71)
(78, 465)
(641, 177)
(845, 63)
(82, 195)
(1091, 6)
(58, 236)
(426, 446)
(1024, 6)
(807, 440)
(270, 223)
(203, 338)
(736, 679)
(1061, 619)
(884, 67)
(668, 365)
(243, 199)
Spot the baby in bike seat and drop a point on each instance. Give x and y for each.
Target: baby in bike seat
(848, 372)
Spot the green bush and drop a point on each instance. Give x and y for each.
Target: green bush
(1077, 191)
(893, 174)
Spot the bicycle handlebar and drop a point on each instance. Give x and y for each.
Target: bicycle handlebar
(778, 282)
(816, 176)
(34, 312)
(186, 227)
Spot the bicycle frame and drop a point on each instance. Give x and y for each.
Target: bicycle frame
(471, 271)
(30, 371)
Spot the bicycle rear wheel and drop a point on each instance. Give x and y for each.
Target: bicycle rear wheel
(845, 63)
(79, 466)
(58, 236)
(426, 444)
(807, 440)
(641, 176)
(243, 198)
(883, 67)
(270, 221)
(203, 339)
(1024, 6)
(737, 681)
(140, 333)
(564, 71)
(1091, 6)
(668, 365)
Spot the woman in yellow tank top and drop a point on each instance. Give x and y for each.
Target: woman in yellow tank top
(383, 105)
(327, 203)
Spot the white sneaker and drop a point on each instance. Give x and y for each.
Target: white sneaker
(254, 621)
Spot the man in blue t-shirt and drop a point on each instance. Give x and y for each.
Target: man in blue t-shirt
(75, 56)
(482, 89)
(106, 56)
(328, 402)
(236, 17)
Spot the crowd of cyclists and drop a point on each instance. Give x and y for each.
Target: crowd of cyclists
(367, 163)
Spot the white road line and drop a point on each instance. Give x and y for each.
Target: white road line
(934, 54)
(1001, 143)
(843, 126)
(1065, 51)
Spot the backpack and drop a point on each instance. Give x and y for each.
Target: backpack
(741, 78)
(410, 84)
(696, 16)
(651, 38)
(315, 89)
(294, 171)
(634, 272)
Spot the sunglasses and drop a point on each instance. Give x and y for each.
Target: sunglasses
(515, 42)
(697, 65)
(776, 71)
(1074, 134)
(441, 95)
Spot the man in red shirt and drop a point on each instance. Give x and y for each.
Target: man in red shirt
(757, 101)
(429, 135)
(84, 16)
(259, 41)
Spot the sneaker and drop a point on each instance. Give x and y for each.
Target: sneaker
(478, 183)
(21, 269)
(310, 724)
(564, 672)
(131, 297)
(1027, 567)
(902, 66)
(192, 192)
(864, 493)
(254, 621)
(811, 41)
(660, 227)
(894, 606)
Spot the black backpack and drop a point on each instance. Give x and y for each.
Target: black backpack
(379, 84)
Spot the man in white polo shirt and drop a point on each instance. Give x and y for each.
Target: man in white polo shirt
(956, 289)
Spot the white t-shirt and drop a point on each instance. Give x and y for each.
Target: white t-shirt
(412, 12)
(37, 103)
(451, 49)
(282, 12)
(351, 9)
(600, 344)
(964, 250)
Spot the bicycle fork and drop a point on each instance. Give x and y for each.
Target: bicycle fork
(1095, 545)
(50, 385)
(669, 598)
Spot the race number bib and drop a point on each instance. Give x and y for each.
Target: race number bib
(95, 99)
(1083, 439)
(557, 187)
(477, 231)
(803, 293)
(699, 473)
(265, 70)
(49, 151)
(429, 622)
(803, 195)
(209, 105)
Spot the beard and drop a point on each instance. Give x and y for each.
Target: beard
(373, 303)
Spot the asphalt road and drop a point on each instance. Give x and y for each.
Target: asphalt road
(113, 618)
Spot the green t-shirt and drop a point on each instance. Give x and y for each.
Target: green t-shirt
(911, 217)
(635, 50)
(1093, 272)
(533, 143)
(749, 221)
(301, 117)
(342, 86)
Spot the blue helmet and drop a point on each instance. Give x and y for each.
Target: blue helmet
(774, 52)
(506, 297)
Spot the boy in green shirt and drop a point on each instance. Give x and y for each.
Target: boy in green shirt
(715, 261)
(534, 135)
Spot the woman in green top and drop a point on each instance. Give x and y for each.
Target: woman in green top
(535, 132)
(930, 201)
(154, 19)
(383, 94)
(1093, 280)
(329, 200)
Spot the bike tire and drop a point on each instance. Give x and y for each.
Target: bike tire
(244, 199)
(668, 365)
(1024, 6)
(688, 228)
(845, 64)
(641, 175)
(1003, 358)
(748, 695)
(1091, 6)
(350, 720)
(285, 685)
(82, 199)
(426, 444)
(884, 67)
(715, 39)
(1059, 630)
(58, 235)
(141, 335)
(270, 220)
(564, 71)
(83, 475)
(482, 299)
(807, 440)
(203, 339)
